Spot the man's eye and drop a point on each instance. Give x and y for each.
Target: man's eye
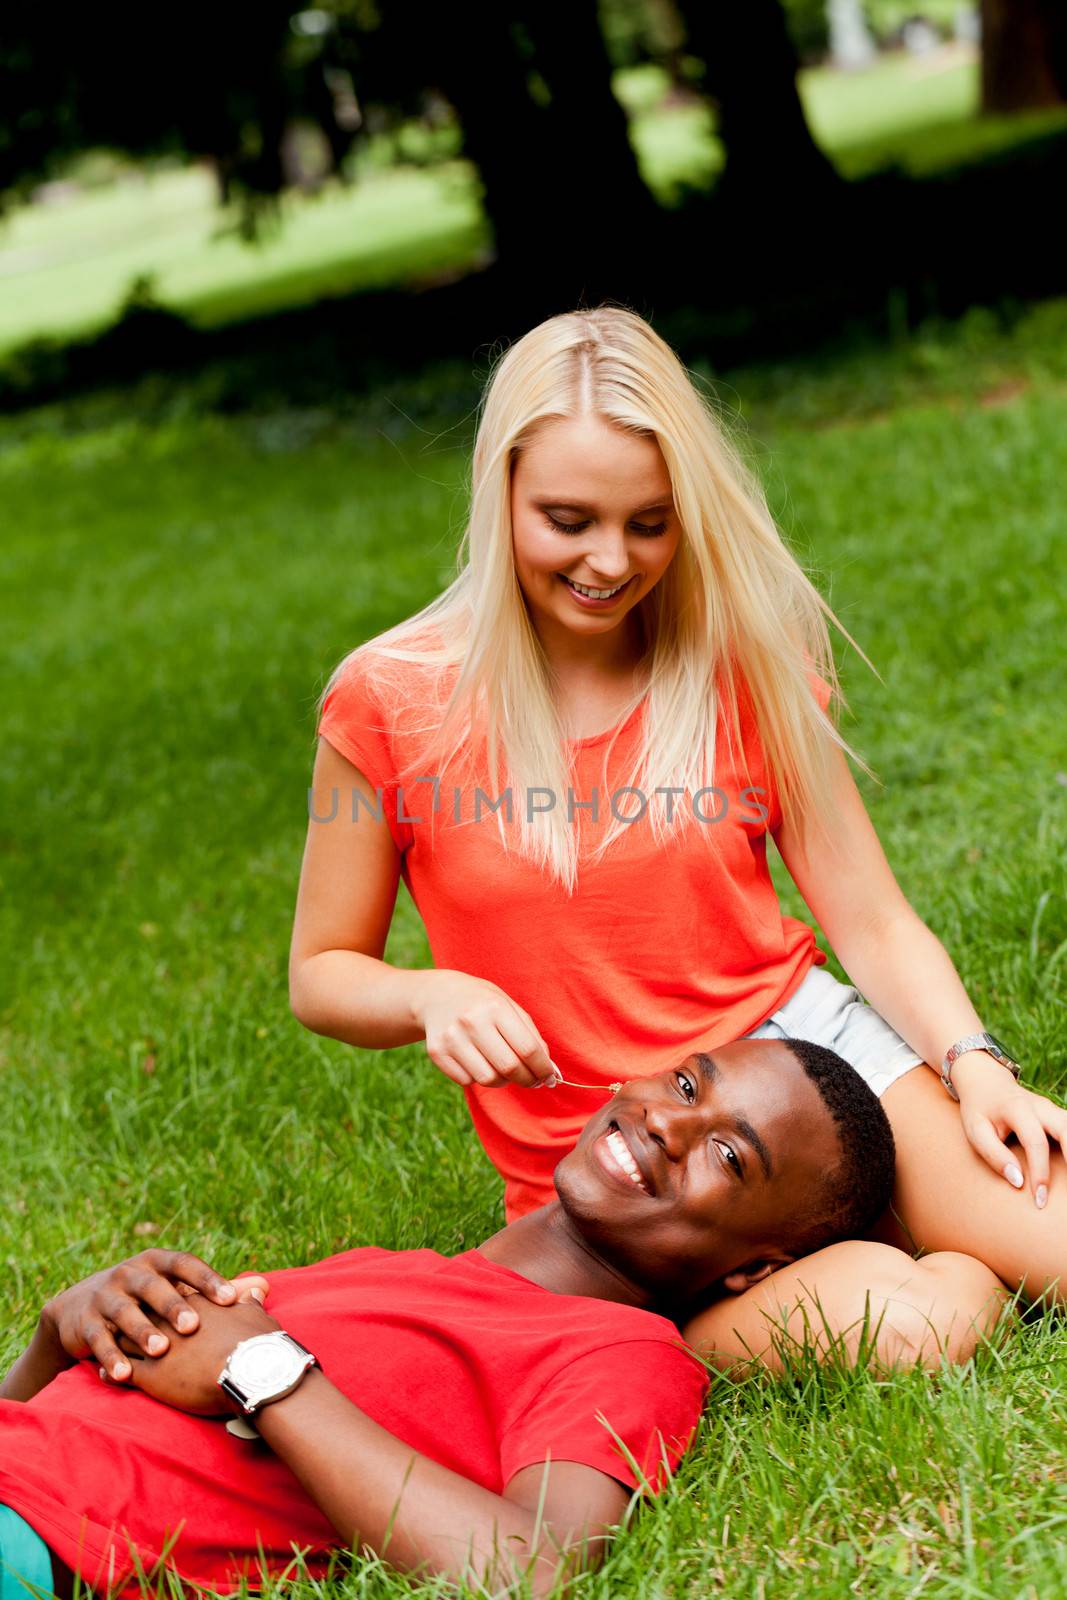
(730, 1156)
(686, 1085)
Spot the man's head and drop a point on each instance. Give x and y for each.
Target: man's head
(726, 1167)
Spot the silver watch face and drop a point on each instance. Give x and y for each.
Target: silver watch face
(264, 1364)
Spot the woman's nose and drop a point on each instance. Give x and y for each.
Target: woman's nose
(609, 558)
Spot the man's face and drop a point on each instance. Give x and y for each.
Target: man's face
(686, 1178)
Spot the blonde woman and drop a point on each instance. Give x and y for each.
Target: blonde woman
(574, 758)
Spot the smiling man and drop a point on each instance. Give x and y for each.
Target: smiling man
(485, 1414)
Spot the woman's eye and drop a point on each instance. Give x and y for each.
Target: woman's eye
(730, 1157)
(686, 1086)
(651, 530)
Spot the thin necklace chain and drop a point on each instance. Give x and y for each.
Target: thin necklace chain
(599, 1088)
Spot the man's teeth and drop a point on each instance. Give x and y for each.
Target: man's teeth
(595, 594)
(617, 1146)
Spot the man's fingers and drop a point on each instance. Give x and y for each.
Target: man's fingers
(198, 1275)
(162, 1297)
(127, 1317)
(100, 1340)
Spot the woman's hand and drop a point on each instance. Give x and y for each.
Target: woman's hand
(84, 1320)
(475, 1033)
(187, 1375)
(993, 1106)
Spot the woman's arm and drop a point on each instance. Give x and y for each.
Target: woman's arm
(340, 986)
(903, 969)
(377, 1491)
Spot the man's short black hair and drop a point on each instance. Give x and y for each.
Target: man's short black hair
(859, 1188)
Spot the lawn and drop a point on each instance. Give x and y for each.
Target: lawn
(177, 586)
(66, 266)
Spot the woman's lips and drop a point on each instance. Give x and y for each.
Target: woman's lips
(588, 601)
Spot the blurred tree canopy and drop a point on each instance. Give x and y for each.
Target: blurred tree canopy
(526, 89)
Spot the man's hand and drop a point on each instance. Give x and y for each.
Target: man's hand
(85, 1320)
(187, 1375)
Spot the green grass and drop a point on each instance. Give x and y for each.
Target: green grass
(66, 266)
(177, 585)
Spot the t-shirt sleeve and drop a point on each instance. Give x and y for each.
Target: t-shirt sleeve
(820, 688)
(354, 721)
(630, 1410)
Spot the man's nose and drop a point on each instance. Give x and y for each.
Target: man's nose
(672, 1126)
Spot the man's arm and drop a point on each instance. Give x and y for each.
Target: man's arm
(84, 1320)
(551, 1520)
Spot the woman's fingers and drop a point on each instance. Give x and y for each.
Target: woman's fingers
(1034, 1140)
(450, 1067)
(986, 1141)
(505, 1060)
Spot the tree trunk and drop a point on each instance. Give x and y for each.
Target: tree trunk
(751, 72)
(1024, 54)
(531, 85)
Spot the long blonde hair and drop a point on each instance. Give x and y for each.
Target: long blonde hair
(733, 606)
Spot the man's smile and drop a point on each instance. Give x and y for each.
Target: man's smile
(622, 1156)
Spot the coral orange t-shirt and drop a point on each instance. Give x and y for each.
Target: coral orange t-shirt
(662, 949)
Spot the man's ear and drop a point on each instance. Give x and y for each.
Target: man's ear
(743, 1278)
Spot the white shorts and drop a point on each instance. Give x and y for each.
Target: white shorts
(835, 1015)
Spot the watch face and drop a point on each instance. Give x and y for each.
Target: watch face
(265, 1364)
(998, 1046)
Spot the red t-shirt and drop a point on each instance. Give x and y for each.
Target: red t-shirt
(660, 951)
(464, 1360)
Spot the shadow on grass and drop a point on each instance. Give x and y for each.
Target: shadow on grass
(729, 281)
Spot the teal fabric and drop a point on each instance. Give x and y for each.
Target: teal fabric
(25, 1562)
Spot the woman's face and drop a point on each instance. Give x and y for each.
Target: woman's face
(591, 508)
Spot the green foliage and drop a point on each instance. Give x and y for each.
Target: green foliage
(887, 17)
(177, 584)
(810, 29)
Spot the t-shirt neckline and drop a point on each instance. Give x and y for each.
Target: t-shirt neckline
(619, 727)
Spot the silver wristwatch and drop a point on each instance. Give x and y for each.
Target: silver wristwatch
(264, 1368)
(976, 1041)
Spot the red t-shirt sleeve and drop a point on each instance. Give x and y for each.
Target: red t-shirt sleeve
(820, 688)
(355, 722)
(629, 1410)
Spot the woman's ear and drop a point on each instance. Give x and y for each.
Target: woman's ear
(753, 1272)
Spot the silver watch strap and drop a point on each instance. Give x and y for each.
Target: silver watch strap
(976, 1041)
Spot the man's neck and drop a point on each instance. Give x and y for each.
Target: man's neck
(547, 1248)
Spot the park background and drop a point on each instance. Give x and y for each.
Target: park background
(253, 271)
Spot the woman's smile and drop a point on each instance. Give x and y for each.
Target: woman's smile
(599, 598)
